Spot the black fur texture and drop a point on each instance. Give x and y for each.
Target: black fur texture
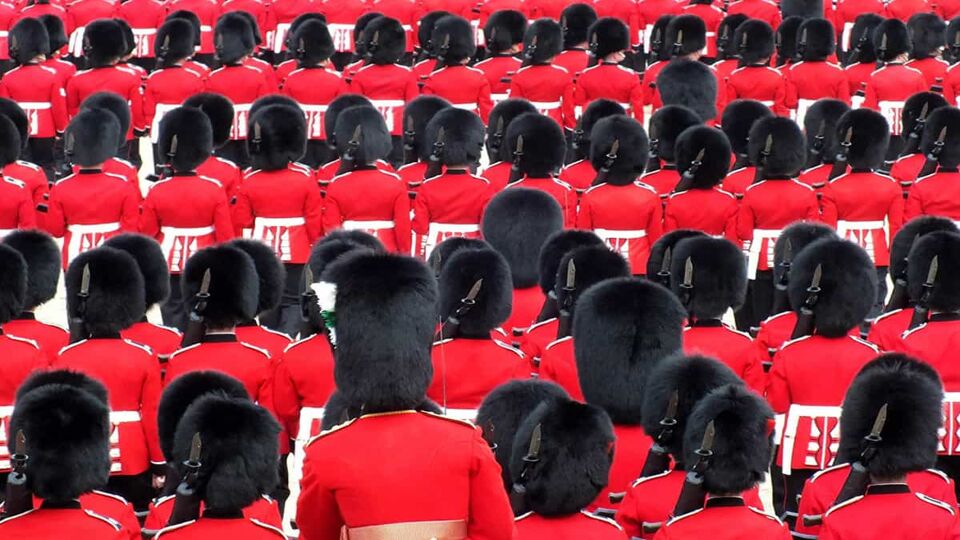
(593, 264)
(501, 116)
(945, 246)
(283, 139)
(385, 41)
(516, 223)
(944, 118)
(233, 38)
(116, 105)
(556, 248)
(190, 17)
(103, 42)
(174, 42)
(13, 283)
(549, 41)
(151, 262)
(15, 114)
(633, 145)
(913, 107)
(418, 113)
(802, 8)
(91, 137)
(504, 29)
(337, 106)
(375, 140)
(821, 120)
(493, 303)
(870, 135)
(816, 40)
(894, 33)
(719, 275)
(219, 111)
(907, 235)
(716, 155)
(685, 34)
(607, 36)
(726, 48)
(667, 124)
(63, 377)
(117, 291)
(10, 143)
(444, 251)
(861, 35)
(787, 39)
(28, 39)
(798, 235)
(462, 136)
(659, 249)
(575, 20)
(452, 40)
(691, 84)
(42, 255)
(274, 99)
(597, 110)
(271, 275)
(312, 43)
(754, 39)
(737, 120)
(191, 126)
(543, 144)
(184, 390)
(788, 153)
(55, 31)
(234, 286)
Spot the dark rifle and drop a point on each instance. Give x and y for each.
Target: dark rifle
(724, 40)
(451, 327)
(565, 301)
(19, 498)
(496, 140)
(922, 309)
(186, 504)
(608, 162)
(658, 459)
(519, 488)
(955, 47)
(196, 323)
(693, 495)
(349, 158)
(409, 142)
(516, 173)
(171, 154)
(762, 160)
(805, 319)
(933, 158)
(308, 305)
(663, 276)
(781, 301)
(653, 154)
(858, 49)
(78, 325)
(840, 163)
(579, 139)
(435, 165)
(688, 176)
(373, 45)
(816, 149)
(900, 298)
(801, 45)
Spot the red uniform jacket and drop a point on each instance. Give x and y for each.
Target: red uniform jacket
(858, 75)
(766, 209)
(119, 80)
(946, 9)
(265, 510)
(953, 81)
(663, 180)
(50, 523)
(724, 518)
(8, 13)
(651, 97)
(711, 16)
(407, 12)
(651, 10)
(626, 11)
(341, 18)
(263, 338)
(817, 177)
(260, 11)
(282, 208)
(558, 364)
(610, 81)
(775, 331)
(211, 528)
(224, 171)
(934, 195)
(53, 8)
(464, 87)
(457, 493)
(809, 81)
(892, 512)
(527, 304)
(448, 205)
(572, 60)
(887, 330)
(906, 169)
(712, 211)
(764, 10)
(466, 370)
(904, 9)
(166, 90)
(412, 174)
(303, 379)
(557, 189)
(583, 524)
(859, 204)
(144, 17)
(124, 169)
(64, 69)
(371, 200)
(546, 86)
(632, 446)
(224, 353)
(388, 87)
(286, 68)
(284, 12)
(112, 506)
(21, 356)
(132, 378)
(162, 340)
(934, 71)
(242, 85)
(846, 14)
(627, 218)
(934, 343)
(83, 225)
(498, 174)
(735, 349)
(889, 87)
(39, 92)
(762, 83)
(579, 174)
(35, 181)
(16, 206)
(314, 89)
(326, 173)
(82, 13)
(499, 69)
(207, 11)
(186, 213)
(50, 338)
(537, 338)
(738, 180)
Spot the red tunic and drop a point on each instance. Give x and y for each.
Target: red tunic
(775, 331)
(937, 194)
(859, 205)
(904, 9)
(224, 171)
(242, 85)
(166, 89)
(144, 17)
(16, 206)
(371, 200)
(891, 512)
(546, 86)
(888, 88)
(341, 18)
(766, 209)
(313, 89)
(537, 338)
(946, 9)
(631, 450)
(284, 12)
(858, 75)
(265, 510)
(651, 10)
(260, 11)
(263, 338)
(460, 486)
(207, 11)
(809, 81)
(35, 10)
(579, 175)
(934, 71)
(610, 81)
(664, 180)
(64, 69)
(846, 14)
(466, 370)
(934, 342)
(8, 12)
(724, 518)
(112, 506)
(887, 329)
(572, 60)
(817, 177)
(499, 69)
(764, 10)
(224, 353)
(532, 526)
(21, 357)
(906, 169)
(527, 303)
(388, 87)
(50, 524)
(35, 181)
(303, 379)
(119, 80)
(738, 180)
(39, 92)
(712, 16)
(762, 83)
(498, 174)
(558, 364)
(626, 11)
(162, 340)
(49, 337)
(286, 68)
(464, 87)
(448, 205)
(712, 211)
(733, 348)
(627, 218)
(407, 12)
(82, 13)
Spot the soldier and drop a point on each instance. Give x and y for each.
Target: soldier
(814, 77)
(287, 45)
(861, 60)
(16, 200)
(737, 120)
(537, 147)
(787, 39)
(889, 87)
(694, 85)
(271, 276)
(206, 13)
(118, 107)
(145, 18)
(500, 156)
(665, 126)
(58, 40)
(756, 79)
(580, 174)
(463, 86)
(928, 35)
(711, 15)
(541, 82)
(764, 10)
(196, 63)
(703, 157)
(914, 116)
(609, 40)
(660, 53)
(23, 355)
(661, 254)
(935, 316)
(504, 33)
(708, 277)
(425, 57)
(417, 149)
(575, 20)
(219, 112)
(727, 59)
(737, 425)
(390, 375)
(105, 294)
(823, 143)
(932, 194)
(685, 37)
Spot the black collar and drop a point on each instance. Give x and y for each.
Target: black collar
(107, 335)
(720, 502)
(60, 505)
(26, 316)
(457, 171)
(706, 323)
(947, 169)
(222, 514)
(89, 171)
(219, 338)
(887, 489)
(860, 170)
(247, 324)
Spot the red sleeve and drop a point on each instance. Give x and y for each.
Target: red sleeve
(55, 221)
(484, 102)
(655, 221)
(149, 221)
(731, 92)
(421, 213)
(584, 216)
(669, 220)
(753, 373)
(73, 97)
(222, 224)
(730, 229)
(130, 218)
(628, 517)
(58, 105)
(568, 106)
(745, 221)
(778, 390)
(914, 205)
(26, 215)
(401, 219)
(829, 207)
(332, 216)
(780, 98)
(791, 99)
(895, 213)
(318, 517)
(490, 515)
(870, 96)
(149, 400)
(242, 213)
(265, 389)
(637, 100)
(313, 210)
(286, 399)
(149, 106)
(136, 107)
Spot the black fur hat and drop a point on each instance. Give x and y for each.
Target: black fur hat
(274, 99)
(607, 36)
(890, 39)
(945, 246)
(788, 151)
(312, 43)
(13, 283)
(593, 264)
(337, 106)
(542, 41)
(254, 26)
(754, 40)
(42, 255)
(669, 241)
(691, 84)
(848, 284)
(194, 136)
(271, 274)
(738, 117)
(816, 40)
(184, 390)
(556, 248)
(719, 275)
(116, 105)
(807, 9)
(912, 393)
(928, 35)
(55, 31)
(18, 116)
(913, 109)
(659, 47)
(517, 222)
(543, 144)
(907, 235)
(869, 136)
(63, 377)
(726, 48)
(174, 41)
(952, 32)
(798, 236)
(234, 285)
(91, 137)
(743, 443)
(667, 124)
(277, 137)
(504, 409)
(575, 20)
(151, 262)
(501, 116)
(632, 142)
(690, 379)
(622, 329)
(116, 294)
(821, 121)
(442, 253)
(67, 431)
(384, 41)
(462, 136)
(715, 160)
(597, 110)
(28, 39)
(129, 41)
(219, 111)
(460, 273)
(946, 120)
(10, 143)
(452, 40)
(239, 451)
(576, 453)
(359, 26)
(504, 29)
(386, 308)
(417, 113)
(375, 140)
(330, 248)
(233, 38)
(425, 32)
(685, 34)
(861, 36)
(103, 42)
(787, 34)
(190, 17)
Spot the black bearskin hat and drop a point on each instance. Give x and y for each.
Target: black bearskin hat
(330, 248)
(690, 379)
(504, 29)
(726, 48)
(667, 124)
(861, 38)
(91, 137)
(191, 18)
(738, 117)
(517, 222)
(417, 113)
(542, 41)
(912, 393)
(10, 141)
(945, 293)
(375, 142)
(184, 390)
(116, 293)
(129, 41)
(947, 121)
(174, 42)
(42, 255)
(233, 38)
(573, 465)
(821, 121)
(234, 285)
(103, 42)
(13, 283)
(659, 250)
(277, 137)
(622, 328)
(869, 136)
(28, 39)
(495, 300)
(501, 116)
(384, 41)
(302, 19)
(219, 111)
(848, 284)
(274, 99)
(691, 84)
(659, 47)
(714, 162)
(425, 32)
(788, 151)
(743, 443)
(787, 38)
(952, 41)
(543, 144)
(63, 377)
(115, 105)
(151, 262)
(685, 34)
(337, 106)
(597, 110)
(592, 264)
(816, 40)
(890, 39)
(918, 108)
(462, 136)
(719, 276)
(359, 26)
(444, 251)
(631, 154)
(806, 9)
(452, 40)
(556, 248)
(607, 36)
(252, 21)
(55, 31)
(194, 135)
(905, 238)
(575, 20)
(754, 41)
(271, 275)
(312, 43)
(798, 236)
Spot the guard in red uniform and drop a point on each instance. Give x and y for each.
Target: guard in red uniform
(737, 120)
(727, 59)
(416, 148)
(934, 322)
(327, 172)
(541, 82)
(928, 35)
(823, 143)
(707, 275)
(105, 294)
(756, 79)
(79, 453)
(81, 14)
(287, 46)
(934, 194)
(680, 383)
(861, 57)
(814, 77)
(537, 148)
(580, 174)
(574, 465)
(820, 343)
(575, 19)
(659, 54)
(16, 200)
(219, 112)
(42, 256)
(742, 444)
(665, 126)
(609, 41)
(206, 12)
(451, 203)
(914, 118)
(519, 240)
(712, 15)
(504, 33)
(498, 171)
(697, 202)
(764, 10)
(118, 107)
(463, 86)
(22, 355)
(144, 18)
(688, 82)
(909, 389)
(271, 276)
(384, 380)
(623, 211)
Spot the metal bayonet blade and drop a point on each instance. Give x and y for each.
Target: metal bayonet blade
(205, 283)
(787, 251)
(533, 452)
(195, 447)
(708, 435)
(933, 270)
(923, 112)
(688, 272)
(699, 159)
(672, 405)
(20, 446)
(571, 274)
(85, 280)
(879, 422)
(614, 149)
(357, 132)
(665, 263)
(768, 146)
(475, 290)
(817, 274)
(519, 149)
(307, 278)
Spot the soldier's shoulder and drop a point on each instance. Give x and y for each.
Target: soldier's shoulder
(166, 531)
(936, 503)
(651, 478)
(273, 531)
(464, 424)
(601, 519)
(765, 515)
(828, 471)
(845, 505)
(328, 433)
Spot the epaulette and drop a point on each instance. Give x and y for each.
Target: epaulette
(13, 181)
(70, 346)
(442, 342)
(331, 431)
(268, 527)
(28, 165)
(940, 474)
(11, 518)
(883, 316)
(24, 340)
(557, 342)
(608, 521)
(140, 346)
(643, 185)
(255, 348)
(113, 496)
(184, 349)
(299, 342)
(109, 521)
(844, 504)
(818, 474)
(541, 323)
(643, 479)
(684, 516)
(465, 423)
(764, 514)
(503, 345)
(792, 341)
(935, 502)
(873, 347)
(173, 528)
(212, 180)
(523, 516)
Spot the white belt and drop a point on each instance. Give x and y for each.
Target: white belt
(142, 39)
(144, 31)
(497, 98)
(6, 410)
(35, 105)
(388, 109)
(279, 222)
(206, 28)
(439, 232)
(706, 48)
(95, 228)
(79, 237)
(862, 234)
(844, 226)
(124, 417)
(857, 101)
(845, 35)
(241, 111)
(76, 42)
(646, 34)
(626, 106)
(275, 233)
(162, 110)
(315, 108)
(753, 259)
(192, 232)
(891, 110)
(465, 106)
(4, 33)
(626, 235)
(544, 107)
(314, 115)
(373, 225)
